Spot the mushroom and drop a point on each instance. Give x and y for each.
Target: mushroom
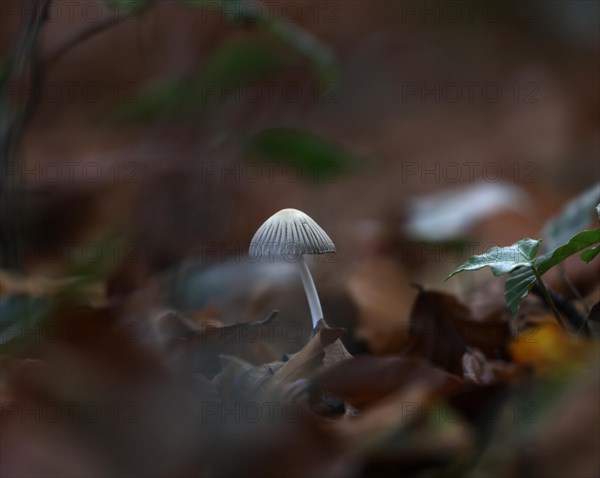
(291, 232)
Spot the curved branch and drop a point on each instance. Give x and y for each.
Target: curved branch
(88, 31)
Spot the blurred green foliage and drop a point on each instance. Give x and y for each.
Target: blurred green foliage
(316, 159)
(20, 315)
(233, 64)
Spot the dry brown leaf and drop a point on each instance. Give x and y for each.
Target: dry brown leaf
(335, 352)
(442, 328)
(383, 294)
(242, 379)
(305, 362)
(437, 434)
(198, 349)
(367, 379)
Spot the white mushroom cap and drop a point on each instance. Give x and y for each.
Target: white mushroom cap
(290, 232)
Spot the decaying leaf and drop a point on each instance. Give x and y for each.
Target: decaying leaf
(239, 378)
(384, 297)
(198, 349)
(310, 358)
(408, 430)
(442, 328)
(367, 379)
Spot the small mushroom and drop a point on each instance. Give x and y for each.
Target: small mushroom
(292, 233)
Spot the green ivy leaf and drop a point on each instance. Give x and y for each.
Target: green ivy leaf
(503, 259)
(521, 281)
(572, 219)
(519, 260)
(590, 254)
(517, 286)
(580, 241)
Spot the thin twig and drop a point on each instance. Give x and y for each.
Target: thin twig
(27, 60)
(566, 308)
(547, 297)
(571, 286)
(13, 119)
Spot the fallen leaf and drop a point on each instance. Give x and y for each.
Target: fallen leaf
(239, 378)
(409, 430)
(305, 362)
(367, 379)
(197, 349)
(383, 295)
(441, 329)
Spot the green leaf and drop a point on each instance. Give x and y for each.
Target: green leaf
(519, 260)
(517, 286)
(310, 47)
(298, 39)
(590, 254)
(232, 67)
(503, 259)
(577, 243)
(572, 219)
(521, 281)
(315, 158)
(241, 61)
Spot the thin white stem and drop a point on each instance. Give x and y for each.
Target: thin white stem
(311, 292)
